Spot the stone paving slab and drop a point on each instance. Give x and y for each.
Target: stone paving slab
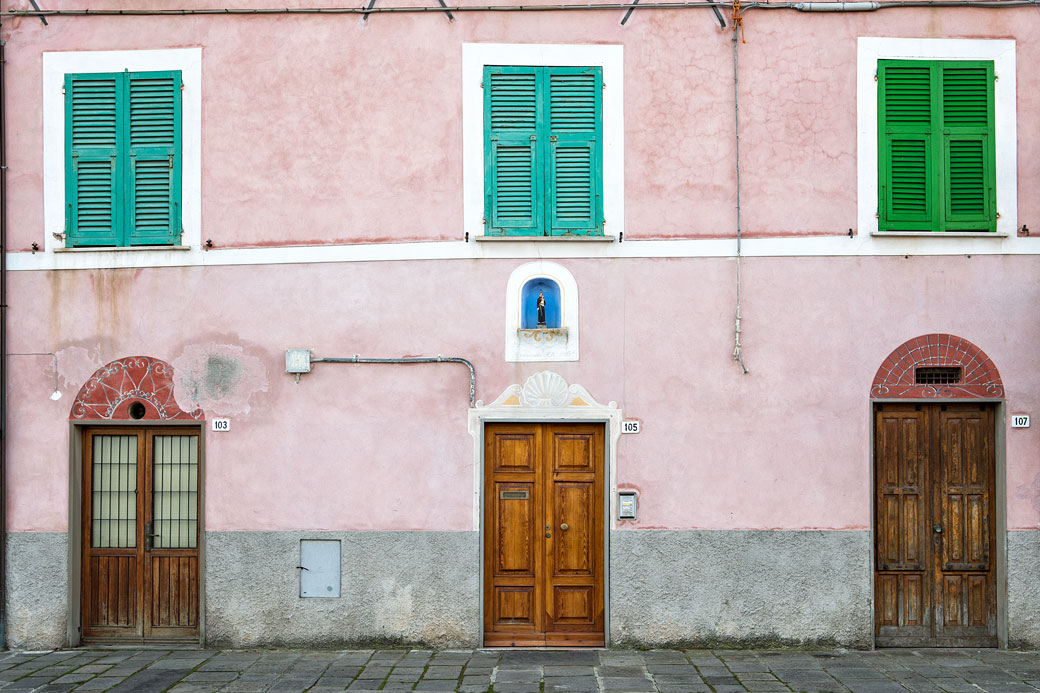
(522, 671)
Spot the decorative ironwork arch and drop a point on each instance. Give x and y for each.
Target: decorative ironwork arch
(896, 377)
(110, 392)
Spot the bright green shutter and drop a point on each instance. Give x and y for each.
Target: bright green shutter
(512, 159)
(575, 150)
(968, 150)
(907, 183)
(154, 147)
(93, 180)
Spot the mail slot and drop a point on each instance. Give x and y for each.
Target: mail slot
(513, 495)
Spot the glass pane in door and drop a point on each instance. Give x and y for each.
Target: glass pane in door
(175, 496)
(113, 491)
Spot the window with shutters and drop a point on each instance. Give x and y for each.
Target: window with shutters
(936, 168)
(123, 159)
(543, 151)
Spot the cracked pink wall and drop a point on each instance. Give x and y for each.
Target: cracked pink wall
(387, 447)
(332, 130)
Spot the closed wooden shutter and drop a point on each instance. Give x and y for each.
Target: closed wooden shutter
(154, 127)
(575, 202)
(513, 178)
(907, 178)
(968, 151)
(542, 150)
(936, 147)
(93, 180)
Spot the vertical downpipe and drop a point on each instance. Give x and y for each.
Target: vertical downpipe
(3, 349)
(736, 120)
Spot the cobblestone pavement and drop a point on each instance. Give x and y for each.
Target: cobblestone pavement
(522, 671)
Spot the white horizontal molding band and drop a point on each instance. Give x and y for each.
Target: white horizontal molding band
(834, 246)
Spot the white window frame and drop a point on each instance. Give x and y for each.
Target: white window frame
(1002, 53)
(475, 56)
(55, 66)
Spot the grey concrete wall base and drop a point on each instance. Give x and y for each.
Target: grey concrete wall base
(1023, 553)
(406, 587)
(730, 588)
(37, 590)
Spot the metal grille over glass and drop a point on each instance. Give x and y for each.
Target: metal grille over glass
(937, 375)
(175, 492)
(113, 513)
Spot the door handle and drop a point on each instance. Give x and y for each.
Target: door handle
(149, 537)
(564, 527)
(938, 529)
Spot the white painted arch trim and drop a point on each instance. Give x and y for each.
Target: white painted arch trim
(610, 57)
(514, 350)
(55, 66)
(545, 396)
(1001, 52)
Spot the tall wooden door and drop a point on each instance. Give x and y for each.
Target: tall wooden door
(543, 534)
(140, 569)
(934, 525)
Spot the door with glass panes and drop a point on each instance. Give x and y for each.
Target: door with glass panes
(140, 569)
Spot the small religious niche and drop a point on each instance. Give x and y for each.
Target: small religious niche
(541, 314)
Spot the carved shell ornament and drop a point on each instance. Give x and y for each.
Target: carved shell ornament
(545, 389)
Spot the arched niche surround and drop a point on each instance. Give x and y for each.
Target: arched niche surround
(526, 344)
(896, 378)
(109, 394)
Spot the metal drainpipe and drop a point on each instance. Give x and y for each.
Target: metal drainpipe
(3, 351)
(421, 359)
(736, 128)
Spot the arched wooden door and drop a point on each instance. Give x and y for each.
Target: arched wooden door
(139, 507)
(935, 495)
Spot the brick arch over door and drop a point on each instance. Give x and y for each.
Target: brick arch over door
(109, 393)
(896, 379)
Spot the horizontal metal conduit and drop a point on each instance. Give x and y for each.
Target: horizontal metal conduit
(800, 6)
(422, 359)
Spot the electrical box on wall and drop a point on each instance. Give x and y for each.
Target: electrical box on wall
(626, 505)
(297, 360)
(319, 568)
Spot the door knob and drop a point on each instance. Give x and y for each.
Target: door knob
(938, 529)
(563, 527)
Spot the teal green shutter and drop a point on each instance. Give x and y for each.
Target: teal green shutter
(154, 148)
(968, 148)
(575, 150)
(936, 167)
(906, 168)
(513, 178)
(93, 180)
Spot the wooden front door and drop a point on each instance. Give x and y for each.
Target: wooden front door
(543, 534)
(934, 525)
(140, 570)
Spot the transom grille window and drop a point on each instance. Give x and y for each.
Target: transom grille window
(937, 375)
(122, 158)
(936, 148)
(543, 150)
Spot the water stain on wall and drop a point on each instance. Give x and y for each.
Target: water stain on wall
(219, 378)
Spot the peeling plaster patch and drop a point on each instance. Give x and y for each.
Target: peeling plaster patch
(219, 378)
(76, 364)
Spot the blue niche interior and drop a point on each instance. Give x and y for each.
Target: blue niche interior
(529, 303)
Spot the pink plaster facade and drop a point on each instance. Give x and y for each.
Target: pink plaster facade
(326, 130)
